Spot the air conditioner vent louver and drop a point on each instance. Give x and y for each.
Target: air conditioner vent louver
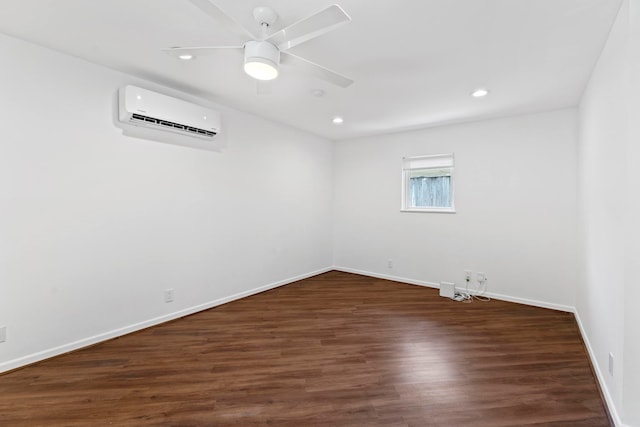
(165, 123)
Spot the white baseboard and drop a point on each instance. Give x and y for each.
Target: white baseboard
(532, 302)
(85, 342)
(501, 297)
(600, 376)
(387, 277)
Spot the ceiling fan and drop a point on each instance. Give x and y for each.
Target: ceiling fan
(263, 55)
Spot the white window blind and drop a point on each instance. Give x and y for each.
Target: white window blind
(428, 162)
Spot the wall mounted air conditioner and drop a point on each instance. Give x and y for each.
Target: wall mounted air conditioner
(141, 107)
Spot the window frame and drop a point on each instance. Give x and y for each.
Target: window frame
(434, 161)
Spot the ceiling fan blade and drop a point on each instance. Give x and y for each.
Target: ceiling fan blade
(310, 27)
(177, 52)
(315, 70)
(222, 18)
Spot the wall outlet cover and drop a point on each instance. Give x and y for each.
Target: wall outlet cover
(611, 364)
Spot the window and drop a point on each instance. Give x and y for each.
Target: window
(427, 183)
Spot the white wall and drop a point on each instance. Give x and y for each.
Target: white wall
(94, 226)
(631, 386)
(609, 206)
(602, 189)
(515, 195)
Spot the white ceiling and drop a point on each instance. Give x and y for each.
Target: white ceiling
(414, 62)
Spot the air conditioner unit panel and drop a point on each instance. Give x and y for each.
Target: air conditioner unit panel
(146, 108)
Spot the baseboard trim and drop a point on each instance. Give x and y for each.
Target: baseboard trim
(531, 302)
(387, 277)
(21, 362)
(599, 375)
(501, 297)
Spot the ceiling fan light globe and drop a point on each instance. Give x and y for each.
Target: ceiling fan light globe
(261, 69)
(261, 60)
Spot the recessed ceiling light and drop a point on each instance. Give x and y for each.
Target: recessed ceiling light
(479, 93)
(337, 120)
(185, 57)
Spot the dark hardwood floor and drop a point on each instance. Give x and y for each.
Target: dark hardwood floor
(334, 350)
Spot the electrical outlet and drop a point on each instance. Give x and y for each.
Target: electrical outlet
(611, 364)
(389, 263)
(481, 276)
(467, 275)
(168, 295)
(3, 333)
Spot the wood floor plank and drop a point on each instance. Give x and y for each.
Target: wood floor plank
(334, 350)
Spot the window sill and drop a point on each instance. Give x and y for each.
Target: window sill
(430, 210)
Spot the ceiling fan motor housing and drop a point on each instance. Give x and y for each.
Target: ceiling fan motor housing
(261, 60)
